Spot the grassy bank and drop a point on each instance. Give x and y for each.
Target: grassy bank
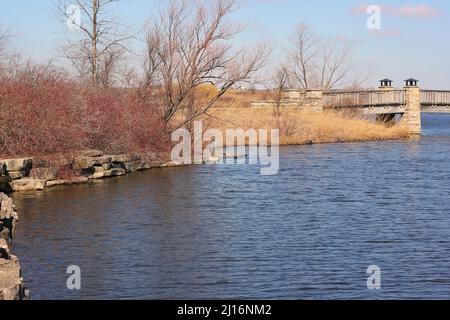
(298, 128)
(45, 113)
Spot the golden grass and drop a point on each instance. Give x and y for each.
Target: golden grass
(299, 128)
(242, 98)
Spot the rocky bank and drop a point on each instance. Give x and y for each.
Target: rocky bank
(31, 174)
(12, 286)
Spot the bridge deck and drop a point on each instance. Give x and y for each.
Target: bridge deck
(381, 102)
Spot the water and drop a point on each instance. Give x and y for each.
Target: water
(228, 232)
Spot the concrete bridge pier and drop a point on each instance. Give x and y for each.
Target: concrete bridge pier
(313, 100)
(412, 117)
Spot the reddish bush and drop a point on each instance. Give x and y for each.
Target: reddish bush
(119, 121)
(37, 113)
(101, 116)
(42, 112)
(143, 127)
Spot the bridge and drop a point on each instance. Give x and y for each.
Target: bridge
(385, 103)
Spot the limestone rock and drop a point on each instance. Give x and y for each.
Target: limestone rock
(5, 235)
(12, 286)
(79, 180)
(24, 164)
(28, 184)
(54, 183)
(14, 175)
(96, 175)
(44, 173)
(83, 163)
(107, 166)
(121, 158)
(11, 283)
(6, 207)
(91, 153)
(100, 172)
(172, 164)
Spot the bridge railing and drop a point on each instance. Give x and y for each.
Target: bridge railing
(434, 98)
(369, 98)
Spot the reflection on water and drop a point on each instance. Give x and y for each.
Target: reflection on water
(228, 232)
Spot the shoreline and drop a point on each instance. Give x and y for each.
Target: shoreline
(12, 285)
(36, 174)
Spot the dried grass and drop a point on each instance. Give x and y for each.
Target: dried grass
(299, 128)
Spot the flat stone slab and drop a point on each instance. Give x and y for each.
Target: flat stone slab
(101, 173)
(88, 162)
(22, 164)
(28, 184)
(14, 175)
(54, 183)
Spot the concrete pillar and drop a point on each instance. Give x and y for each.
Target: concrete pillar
(292, 95)
(314, 100)
(412, 116)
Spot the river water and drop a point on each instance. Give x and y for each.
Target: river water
(200, 232)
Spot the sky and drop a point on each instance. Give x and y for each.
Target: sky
(413, 39)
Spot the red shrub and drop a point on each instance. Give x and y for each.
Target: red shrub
(37, 113)
(101, 117)
(44, 113)
(143, 127)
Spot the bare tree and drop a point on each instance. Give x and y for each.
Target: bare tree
(304, 55)
(335, 65)
(3, 41)
(279, 83)
(97, 55)
(320, 63)
(5, 54)
(189, 46)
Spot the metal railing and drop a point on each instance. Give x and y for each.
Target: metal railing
(434, 98)
(371, 98)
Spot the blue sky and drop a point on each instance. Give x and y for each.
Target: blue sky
(414, 40)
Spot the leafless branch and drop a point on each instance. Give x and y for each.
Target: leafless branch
(188, 46)
(103, 43)
(320, 63)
